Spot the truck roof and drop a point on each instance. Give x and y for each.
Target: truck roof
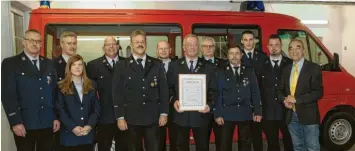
(162, 12)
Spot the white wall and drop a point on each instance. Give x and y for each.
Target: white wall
(348, 33)
(7, 141)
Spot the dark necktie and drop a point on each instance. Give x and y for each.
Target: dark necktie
(276, 68)
(140, 63)
(35, 64)
(210, 60)
(191, 66)
(276, 65)
(236, 73)
(113, 63)
(249, 55)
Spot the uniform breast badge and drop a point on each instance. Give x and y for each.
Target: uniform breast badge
(49, 79)
(155, 82)
(245, 82)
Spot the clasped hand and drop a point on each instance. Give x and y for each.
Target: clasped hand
(289, 101)
(82, 131)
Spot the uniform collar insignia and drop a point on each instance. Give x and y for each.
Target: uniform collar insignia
(103, 61)
(227, 68)
(131, 61)
(41, 58)
(23, 58)
(149, 60)
(182, 62)
(256, 52)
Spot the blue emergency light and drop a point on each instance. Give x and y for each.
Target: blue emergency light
(45, 4)
(252, 6)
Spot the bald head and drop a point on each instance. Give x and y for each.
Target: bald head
(110, 47)
(109, 39)
(163, 49)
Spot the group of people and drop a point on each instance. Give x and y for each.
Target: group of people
(66, 104)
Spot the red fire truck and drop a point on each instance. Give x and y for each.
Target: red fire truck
(337, 107)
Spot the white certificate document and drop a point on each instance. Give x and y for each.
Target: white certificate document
(192, 92)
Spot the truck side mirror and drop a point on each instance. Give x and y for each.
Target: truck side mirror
(335, 62)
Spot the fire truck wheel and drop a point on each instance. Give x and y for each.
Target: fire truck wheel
(338, 131)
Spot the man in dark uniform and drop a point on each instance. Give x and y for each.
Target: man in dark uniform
(68, 43)
(273, 110)
(238, 101)
(255, 59)
(208, 49)
(140, 96)
(163, 53)
(28, 83)
(101, 71)
(195, 120)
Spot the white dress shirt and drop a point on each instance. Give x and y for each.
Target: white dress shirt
(110, 60)
(278, 58)
(193, 64)
(143, 59)
(33, 58)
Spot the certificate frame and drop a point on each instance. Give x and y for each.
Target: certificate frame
(192, 85)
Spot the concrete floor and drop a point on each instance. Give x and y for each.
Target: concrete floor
(213, 148)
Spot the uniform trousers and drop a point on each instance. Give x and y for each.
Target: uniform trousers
(108, 132)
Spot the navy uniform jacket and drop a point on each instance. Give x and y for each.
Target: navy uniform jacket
(101, 72)
(237, 100)
(257, 61)
(140, 96)
(27, 95)
(74, 113)
(219, 62)
(59, 65)
(269, 80)
(192, 118)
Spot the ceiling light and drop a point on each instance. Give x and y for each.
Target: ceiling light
(315, 22)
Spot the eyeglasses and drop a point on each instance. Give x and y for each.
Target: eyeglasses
(191, 45)
(32, 41)
(208, 46)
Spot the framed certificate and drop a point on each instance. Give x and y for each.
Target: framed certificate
(192, 92)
